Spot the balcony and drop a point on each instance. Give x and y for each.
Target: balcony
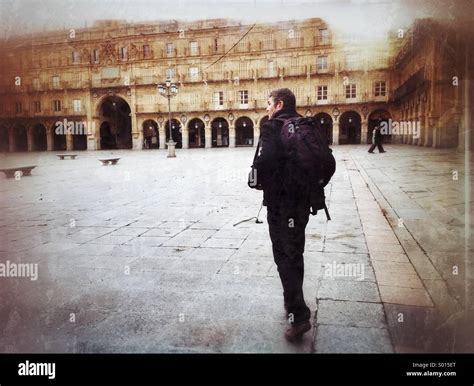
(318, 69)
(191, 78)
(294, 71)
(322, 40)
(268, 72)
(267, 45)
(242, 47)
(169, 54)
(242, 74)
(294, 43)
(217, 76)
(217, 50)
(192, 51)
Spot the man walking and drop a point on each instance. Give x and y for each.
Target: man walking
(288, 211)
(376, 140)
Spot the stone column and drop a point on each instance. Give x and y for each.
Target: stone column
(93, 136)
(162, 135)
(50, 138)
(208, 135)
(11, 140)
(137, 140)
(185, 136)
(69, 142)
(231, 136)
(365, 128)
(30, 138)
(335, 132)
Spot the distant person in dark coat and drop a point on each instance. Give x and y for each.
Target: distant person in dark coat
(376, 140)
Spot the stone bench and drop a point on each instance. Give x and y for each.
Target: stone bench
(62, 156)
(25, 170)
(109, 161)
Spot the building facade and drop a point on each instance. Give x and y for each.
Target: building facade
(96, 88)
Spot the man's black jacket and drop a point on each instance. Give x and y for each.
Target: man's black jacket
(270, 162)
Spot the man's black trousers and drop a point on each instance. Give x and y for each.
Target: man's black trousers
(287, 223)
(379, 146)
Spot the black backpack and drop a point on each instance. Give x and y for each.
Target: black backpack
(310, 162)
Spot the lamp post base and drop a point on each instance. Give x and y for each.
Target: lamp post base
(171, 149)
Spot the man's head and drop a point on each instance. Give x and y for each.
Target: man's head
(279, 99)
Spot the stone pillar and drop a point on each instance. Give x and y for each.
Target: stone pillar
(208, 135)
(185, 137)
(137, 141)
(69, 142)
(162, 135)
(30, 137)
(50, 138)
(231, 136)
(93, 136)
(365, 128)
(335, 132)
(93, 125)
(11, 140)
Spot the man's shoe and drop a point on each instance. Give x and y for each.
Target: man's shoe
(371, 152)
(296, 331)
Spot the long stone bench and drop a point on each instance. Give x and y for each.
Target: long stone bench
(109, 161)
(25, 170)
(62, 156)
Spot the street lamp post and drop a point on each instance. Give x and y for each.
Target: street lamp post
(169, 90)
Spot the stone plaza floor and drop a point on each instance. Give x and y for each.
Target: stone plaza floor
(143, 256)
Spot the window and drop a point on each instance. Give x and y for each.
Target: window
(194, 48)
(169, 49)
(380, 89)
(56, 82)
(323, 36)
(268, 42)
(322, 62)
(76, 105)
(146, 51)
(36, 84)
(37, 106)
(351, 90)
(193, 73)
(96, 56)
(75, 57)
(18, 107)
(216, 45)
(322, 93)
(271, 66)
(244, 97)
(124, 53)
(218, 99)
(170, 73)
(56, 105)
